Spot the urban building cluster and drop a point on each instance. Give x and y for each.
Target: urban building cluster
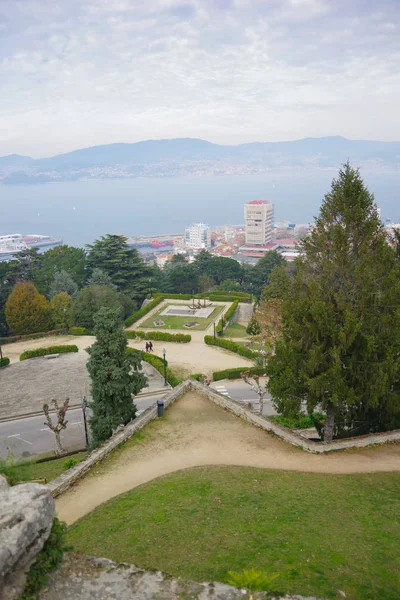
(245, 242)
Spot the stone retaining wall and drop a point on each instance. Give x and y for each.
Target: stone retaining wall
(59, 485)
(289, 435)
(64, 481)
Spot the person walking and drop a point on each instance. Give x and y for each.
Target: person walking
(147, 346)
(151, 346)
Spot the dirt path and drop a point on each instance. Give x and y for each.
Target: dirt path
(197, 432)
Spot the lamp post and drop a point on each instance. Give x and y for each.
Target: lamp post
(65, 322)
(214, 329)
(84, 407)
(251, 293)
(150, 288)
(165, 366)
(193, 298)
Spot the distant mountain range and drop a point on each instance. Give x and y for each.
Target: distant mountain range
(187, 156)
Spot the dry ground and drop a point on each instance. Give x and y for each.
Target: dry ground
(197, 432)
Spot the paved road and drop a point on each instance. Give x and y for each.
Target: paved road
(241, 391)
(28, 437)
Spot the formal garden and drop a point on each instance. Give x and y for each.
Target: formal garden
(178, 316)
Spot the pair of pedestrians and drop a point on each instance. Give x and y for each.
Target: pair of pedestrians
(149, 346)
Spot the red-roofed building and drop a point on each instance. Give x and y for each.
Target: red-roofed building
(258, 218)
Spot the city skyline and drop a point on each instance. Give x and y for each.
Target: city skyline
(78, 74)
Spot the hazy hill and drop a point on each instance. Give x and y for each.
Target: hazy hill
(186, 156)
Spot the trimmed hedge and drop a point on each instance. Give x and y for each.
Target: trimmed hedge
(143, 311)
(4, 362)
(240, 297)
(158, 363)
(232, 346)
(50, 350)
(236, 373)
(80, 331)
(31, 336)
(179, 338)
(228, 315)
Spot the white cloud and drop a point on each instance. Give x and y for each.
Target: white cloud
(78, 73)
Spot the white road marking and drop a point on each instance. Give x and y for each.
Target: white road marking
(76, 423)
(20, 438)
(221, 389)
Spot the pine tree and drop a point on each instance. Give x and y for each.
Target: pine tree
(27, 311)
(90, 300)
(123, 265)
(115, 376)
(63, 282)
(340, 349)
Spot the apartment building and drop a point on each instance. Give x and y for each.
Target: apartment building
(258, 218)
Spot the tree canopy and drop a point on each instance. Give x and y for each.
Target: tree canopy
(90, 300)
(62, 282)
(124, 266)
(27, 311)
(340, 348)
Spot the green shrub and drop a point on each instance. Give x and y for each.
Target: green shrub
(46, 562)
(4, 362)
(70, 462)
(143, 311)
(31, 336)
(254, 327)
(232, 346)
(9, 471)
(80, 331)
(236, 373)
(180, 338)
(226, 319)
(50, 350)
(302, 421)
(239, 296)
(158, 363)
(197, 376)
(174, 296)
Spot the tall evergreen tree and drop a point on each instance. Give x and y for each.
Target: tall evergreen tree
(123, 265)
(340, 348)
(62, 282)
(115, 376)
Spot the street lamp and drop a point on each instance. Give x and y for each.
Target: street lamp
(65, 322)
(214, 329)
(150, 288)
(251, 293)
(165, 366)
(84, 407)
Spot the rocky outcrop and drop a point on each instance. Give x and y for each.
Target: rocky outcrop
(84, 578)
(26, 517)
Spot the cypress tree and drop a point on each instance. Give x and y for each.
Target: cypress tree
(115, 376)
(340, 349)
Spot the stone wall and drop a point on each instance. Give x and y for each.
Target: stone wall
(59, 485)
(64, 481)
(291, 436)
(26, 517)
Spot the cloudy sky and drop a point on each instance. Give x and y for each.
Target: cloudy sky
(76, 73)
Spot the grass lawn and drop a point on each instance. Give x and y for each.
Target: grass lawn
(235, 331)
(28, 470)
(322, 533)
(179, 322)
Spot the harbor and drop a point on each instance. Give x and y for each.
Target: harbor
(17, 242)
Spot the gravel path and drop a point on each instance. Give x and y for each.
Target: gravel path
(197, 432)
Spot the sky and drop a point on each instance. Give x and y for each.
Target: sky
(77, 73)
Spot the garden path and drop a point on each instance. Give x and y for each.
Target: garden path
(196, 432)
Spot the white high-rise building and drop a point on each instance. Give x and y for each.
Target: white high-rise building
(258, 218)
(198, 236)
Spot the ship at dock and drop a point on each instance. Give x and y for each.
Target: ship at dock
(17, 242)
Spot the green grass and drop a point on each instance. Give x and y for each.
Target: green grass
(179, 322)
(28, 470)
(235, 331)
(322, 533)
